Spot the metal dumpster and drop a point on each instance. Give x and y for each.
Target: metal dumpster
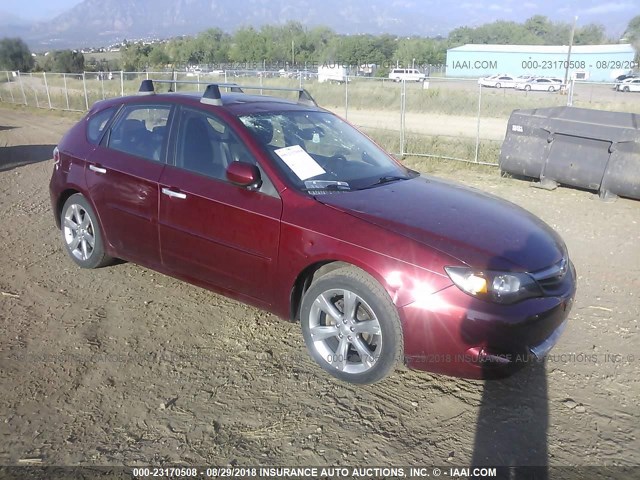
(580, 147)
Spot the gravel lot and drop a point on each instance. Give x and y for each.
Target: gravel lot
(123, 365)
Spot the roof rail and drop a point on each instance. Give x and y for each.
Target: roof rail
(212, 95)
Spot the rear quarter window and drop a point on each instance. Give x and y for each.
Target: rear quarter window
(97, 124)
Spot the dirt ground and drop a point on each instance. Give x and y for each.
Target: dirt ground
(122, 365)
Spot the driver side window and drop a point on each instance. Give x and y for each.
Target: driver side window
(207, 145)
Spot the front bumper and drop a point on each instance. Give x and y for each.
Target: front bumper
(453, 333)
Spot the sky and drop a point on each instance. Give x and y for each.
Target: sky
(36, 9)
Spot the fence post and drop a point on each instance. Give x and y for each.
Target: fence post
(346, 97)
(403, 105)
(13, 100)
(121, 83)
(46, 87)
(572, 84)
(66, 92)
(24, 97)
(35, 91)
(84, 85)
(478, 123)
(102, 85)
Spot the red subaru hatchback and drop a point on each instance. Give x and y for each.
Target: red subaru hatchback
(285, 206)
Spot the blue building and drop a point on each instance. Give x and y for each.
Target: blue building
(599, 63)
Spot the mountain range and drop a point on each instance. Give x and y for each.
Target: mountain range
(101, 22)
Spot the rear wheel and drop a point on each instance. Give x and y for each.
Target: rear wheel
(625, 89)
(81, 233)
(351, 327)
(498, 85)
(552, 89)
(527, 88)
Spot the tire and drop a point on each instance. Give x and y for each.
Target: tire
(552, 89)
(498, 85)
(625, 89)
(527, 88)
(81, 234)
(348, 346)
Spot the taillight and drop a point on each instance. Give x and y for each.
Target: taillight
(56, 156)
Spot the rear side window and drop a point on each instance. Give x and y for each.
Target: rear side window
(98, 123)
(141, 130)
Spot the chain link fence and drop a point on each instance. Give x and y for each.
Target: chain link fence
(442, 117)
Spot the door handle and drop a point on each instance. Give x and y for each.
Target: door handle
(171, 193)
(97, 169)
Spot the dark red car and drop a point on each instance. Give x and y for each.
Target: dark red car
(285, 206)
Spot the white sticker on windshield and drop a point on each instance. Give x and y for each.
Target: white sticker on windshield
(302, 164)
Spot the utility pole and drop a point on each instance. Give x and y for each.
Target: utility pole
(573, 31)
(293, 54)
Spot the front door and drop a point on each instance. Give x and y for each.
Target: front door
(213, 231)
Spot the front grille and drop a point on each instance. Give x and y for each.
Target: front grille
(551, 279)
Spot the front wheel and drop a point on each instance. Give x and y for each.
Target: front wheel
(81, 233)
(351, 327)
(625, 89)
(498, 85)
(527, 88)
(552, 89)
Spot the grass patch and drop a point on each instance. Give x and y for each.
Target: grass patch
(454, 148)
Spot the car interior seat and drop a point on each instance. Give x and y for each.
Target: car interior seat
(129, 136)
(198, 150)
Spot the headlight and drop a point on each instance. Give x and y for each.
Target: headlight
(499, 287)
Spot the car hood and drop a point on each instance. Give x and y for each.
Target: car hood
(476, 228)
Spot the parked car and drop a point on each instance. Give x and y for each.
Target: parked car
(631, 84)
(625, 76)
(539, 84)
(498, 81)
(407, 75)
(285, 206)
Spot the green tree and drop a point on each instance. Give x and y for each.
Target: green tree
(15, 55)
(65, 61)
(632, 35)
(424, 51)
(537, 30)
(135, 56)
(590, 34)
(247, 45)
(213, 45)
(158, 56)
(540, 27)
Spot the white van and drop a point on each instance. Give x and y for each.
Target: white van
(407, 74)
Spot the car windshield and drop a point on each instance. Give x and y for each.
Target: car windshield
(320, 153)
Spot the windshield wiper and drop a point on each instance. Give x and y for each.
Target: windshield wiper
(386, 179)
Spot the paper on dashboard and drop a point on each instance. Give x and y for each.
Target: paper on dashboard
(302, 164)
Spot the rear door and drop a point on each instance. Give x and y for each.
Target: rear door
(123, 180)
(212, 231)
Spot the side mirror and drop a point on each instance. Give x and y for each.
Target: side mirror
(244, 175)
